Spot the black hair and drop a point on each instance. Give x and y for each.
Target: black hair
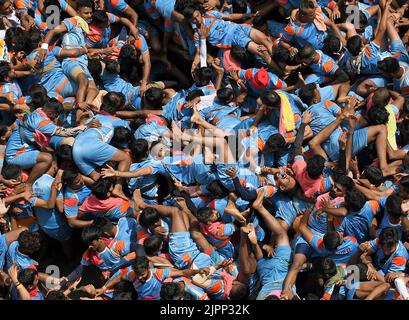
(259, 21)
(276, 142)
(240, 54)
(148, 217)
(203, 76)
(138, 121)
(239, 6)
(217, 189)
(122, 136)
(155, 96)
(181, 4)
(11, 171)
(91, 233)
(27, 276)
(64, 152)
(38, 96)
(152, 245)
(103, 223)
(388, 237)
(100, 18)
(239, 292)
(331, 240)
(140, 265)
(55, 295)
(378, 115)
(203, 214)
(29, 242)
(281, 54)
(112, 66)
(53, 105)
(374, 175)
(85, 3)
(109, 108)
(332, 46)
(171, 291)
(270, 98)
(69, 175)
(325, 267)
(101, 188)
(306, 93)
(381, 97)
(189, 11)
(95, 68)
(363, 270)
(129, 63)
(139, 149)
(115, 99)
(354, 45)
(3, 129)
(306, 52)
(194, 94)
(315, 166)
(389, 65)
(345, 181)
(4, 70)
(225, 95)
(393, 206)
(355, 200)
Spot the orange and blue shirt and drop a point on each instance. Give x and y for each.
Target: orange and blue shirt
(341, 255)
(396, 262)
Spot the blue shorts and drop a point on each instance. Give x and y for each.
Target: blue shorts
(379, 81)
(3, 250)
(25, 160)
(146, 29)
(165, 7)
(72, 67)
(327, 93)
(56, 142)
(241, 36)
(91, 154)
(63, 233)
(314, 78)
(286, 212)
(331, 145)
(182, 249)
(398, 50)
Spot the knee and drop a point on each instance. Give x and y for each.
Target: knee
(45, 158)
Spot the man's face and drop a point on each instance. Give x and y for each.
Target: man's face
(51, 115)
(95, 244)
(337, 191)
(78, 182)
(388, 251)
(285, 181)
(307, 16)
(7, 8)
(143, 276)
(86, 14)
(215, 216)
(197, 18)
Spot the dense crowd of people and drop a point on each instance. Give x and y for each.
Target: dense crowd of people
(204, 149)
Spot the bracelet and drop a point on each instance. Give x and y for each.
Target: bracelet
(19, 285)
(44, 46)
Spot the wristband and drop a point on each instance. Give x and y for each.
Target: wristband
(44, 46)
(19, 285)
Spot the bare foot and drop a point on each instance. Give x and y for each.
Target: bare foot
(258, 203)
(246, 213)
(196, 117)
(234, 212)
(252, 234)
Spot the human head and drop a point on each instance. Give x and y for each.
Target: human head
(354, 200)
(374, 175)
(121, 138)
(53, 108)
(239, 291)
(393, 206)
(271, 99)
(112, 66)
(171, 291)
(306, 12)
(5, 133)
(12, 172)
(342, 184)
(64, 153)
(355, 45)
(324, 267)
(332, 46)
(72, 178)
(55, 295)
(92, 236)
(6, 7)
(139, 149)
(388, 240)
(4, 71)
(85, 9)
(315, 166)
(274, 143)
(149, 218)
(260, 79)
(260, 23)
(225, 95)
(115, 99)
(102, 188)
(207, 215)
(202, 76)
(381, 97)
(306, 55)
(309, 94)
(141, 267)
(100, 19)
(29, 243)
(217, 189)
(28, 278)
(104, 224)
(155, 97)
(331, 240)
(153, 245)
(193, 14)
(390, 67)
(378, 115)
